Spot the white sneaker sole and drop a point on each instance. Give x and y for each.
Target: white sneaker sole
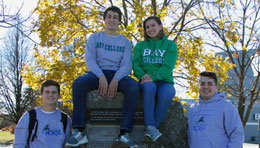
(83, 141)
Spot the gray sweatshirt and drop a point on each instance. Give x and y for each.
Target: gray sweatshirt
(106, 52)
(50, 132)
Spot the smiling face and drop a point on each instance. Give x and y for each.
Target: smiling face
(50, 96)
(207, 87)
(112, 21)
(152, 29)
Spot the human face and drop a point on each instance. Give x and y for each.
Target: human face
(207, 87)
(152, 28)
(50, 95)
(112, 21)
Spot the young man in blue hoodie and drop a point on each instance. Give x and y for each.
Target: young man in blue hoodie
(109, 61)
(213, 121)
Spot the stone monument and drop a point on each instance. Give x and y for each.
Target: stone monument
(103, 119)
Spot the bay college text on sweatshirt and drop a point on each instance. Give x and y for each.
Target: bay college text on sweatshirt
(106, 52)
(156, 58)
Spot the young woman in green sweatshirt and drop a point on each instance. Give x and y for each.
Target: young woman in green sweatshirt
(153, 62)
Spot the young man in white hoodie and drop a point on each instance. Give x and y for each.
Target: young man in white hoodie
(213, 121)
(109, 61)
(49, 130)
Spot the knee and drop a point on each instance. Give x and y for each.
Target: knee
(148, 86)
(166, 96)
(77, 82)
(129, 86)
(80, 81)
(166, 91)
(133, 87)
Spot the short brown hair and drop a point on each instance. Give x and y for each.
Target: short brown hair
(50, 83)
(114, 9)
(210, 74)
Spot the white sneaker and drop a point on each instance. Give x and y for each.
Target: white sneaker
(127, 140)
(151, 134)
(77, 139)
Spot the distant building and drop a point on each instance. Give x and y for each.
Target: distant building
(251, 128)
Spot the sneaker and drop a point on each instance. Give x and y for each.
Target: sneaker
(77, 139)
(151, 134)
(147, 137)
(127, 140)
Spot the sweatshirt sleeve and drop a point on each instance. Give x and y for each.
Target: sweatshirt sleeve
(126, 62)
(137, 60)
(234, 128)
(91, 56)
(21, 131)
(168, 63)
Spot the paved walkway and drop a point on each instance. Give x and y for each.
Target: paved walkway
(249, 145)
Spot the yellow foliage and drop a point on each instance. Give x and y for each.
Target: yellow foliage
(222, 5)
(65, 25)
(221, 24)
(244, 47)
(218, 1)
(228, 43)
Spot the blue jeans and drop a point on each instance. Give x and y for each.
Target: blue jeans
(156, 110)
(89, 81)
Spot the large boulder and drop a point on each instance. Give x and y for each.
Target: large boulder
(174, 129)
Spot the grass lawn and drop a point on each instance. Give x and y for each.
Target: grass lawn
(6, 138)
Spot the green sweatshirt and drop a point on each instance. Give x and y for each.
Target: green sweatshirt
(156, 58)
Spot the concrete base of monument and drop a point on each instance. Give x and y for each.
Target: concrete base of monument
(103, 119)
(119, 145)
(104, 136)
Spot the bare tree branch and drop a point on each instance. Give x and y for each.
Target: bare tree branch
(14, 52)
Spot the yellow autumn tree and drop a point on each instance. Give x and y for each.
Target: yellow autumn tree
(64, 26)
(234, 29)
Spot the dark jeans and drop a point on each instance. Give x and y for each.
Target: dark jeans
(89, 81)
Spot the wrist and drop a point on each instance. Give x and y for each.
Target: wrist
(115, 79)
(102, 76)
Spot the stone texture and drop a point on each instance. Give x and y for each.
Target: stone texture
(103, 136)
(108, 111)
(119, 145)
(105, 132)
(97, 101)
(174, 129)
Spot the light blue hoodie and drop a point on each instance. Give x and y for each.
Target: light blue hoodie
(50, 132)
(214, 123)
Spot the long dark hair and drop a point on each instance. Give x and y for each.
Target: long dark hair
(158, 20)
